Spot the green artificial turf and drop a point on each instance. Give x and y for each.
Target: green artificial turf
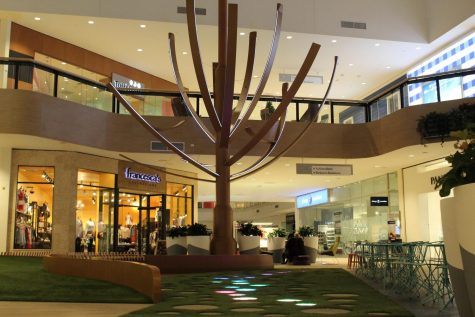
(23, 279)
(309, 286)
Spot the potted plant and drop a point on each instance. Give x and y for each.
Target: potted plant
(249, 238)
(310, 241)
(176, 240)
(458, 217)
(198, 239)
(276, 244)
(267, 111)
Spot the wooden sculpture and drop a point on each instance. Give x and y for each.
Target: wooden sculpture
(226, 121)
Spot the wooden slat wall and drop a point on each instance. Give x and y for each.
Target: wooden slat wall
(28, 41)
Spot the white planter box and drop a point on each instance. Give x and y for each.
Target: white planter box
(276, 245)
(311, 248)
(176, 246)
(198, 245)
(249, 244)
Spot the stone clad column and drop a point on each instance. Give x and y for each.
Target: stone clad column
(64, 205)
(5, 210)
(5, 30)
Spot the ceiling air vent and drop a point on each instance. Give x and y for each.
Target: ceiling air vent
(157, 146)
(310, 79)
(353, 25)
(198, 11)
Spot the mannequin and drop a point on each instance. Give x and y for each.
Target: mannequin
(181, 220)
(128, 220)
(79, 228)
(90, 226)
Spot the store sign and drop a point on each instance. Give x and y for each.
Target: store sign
(119, 81)
(139, 177)
(324, 169)
(151, 178)
(379, 201)
(312, 199)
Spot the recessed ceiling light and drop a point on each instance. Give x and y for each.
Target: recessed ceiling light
(37, 18)
(242, 33)
(143, 26)
(90, 22)
(377, 44)
(411, 155)
(343, 96)
(377, 166)
(63, 63)
(350, 65)
(418, 48)
(288, 37)
(140, 50)
(255, 76)
(388, 67)
(363, 83)
(334, 41)
(184, 53)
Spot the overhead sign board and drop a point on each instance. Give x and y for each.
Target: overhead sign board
(324, 169)
(312, 199)
(379, 201)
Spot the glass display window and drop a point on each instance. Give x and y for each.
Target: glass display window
(34, 208)
(94, 212)
(180, 204)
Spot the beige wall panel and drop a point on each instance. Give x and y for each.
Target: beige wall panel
(28, 41)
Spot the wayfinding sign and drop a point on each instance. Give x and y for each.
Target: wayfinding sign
(325, 169)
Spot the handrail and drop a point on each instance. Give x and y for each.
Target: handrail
(397, 86)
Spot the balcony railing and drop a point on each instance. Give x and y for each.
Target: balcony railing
(28, 74)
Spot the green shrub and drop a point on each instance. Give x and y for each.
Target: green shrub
(279, 232)
(197, 229)
(248, 229)
(175, 232)
(306, 232)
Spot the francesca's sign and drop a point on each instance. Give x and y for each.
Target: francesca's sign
(140, 177)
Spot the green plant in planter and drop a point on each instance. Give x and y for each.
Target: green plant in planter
(306, 231)
(248, 229)
(270, 108)
(197, 229)
(279, 232)
(462, 162)
(175, 232)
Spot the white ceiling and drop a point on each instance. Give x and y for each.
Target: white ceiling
(396, 39)
(400, 34)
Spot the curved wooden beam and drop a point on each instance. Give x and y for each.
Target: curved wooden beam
(273, 143)
(181, 87)
(266, 73)
(286, 99)
(157, 134)
(291, 144)
(200, 76)
(251, 53)
(230, 70)
(168, 172)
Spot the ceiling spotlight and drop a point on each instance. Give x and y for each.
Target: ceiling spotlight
(377, 44)
(140, 50)
(143, 26)
(63, 63)
(90, 22)
(334, 41)
(184, 53)
(242, 33)
(37, 18)
(255, 76)
(288, 37)
(418, 48)
(388, 67)
(363, 83)
(350, 65)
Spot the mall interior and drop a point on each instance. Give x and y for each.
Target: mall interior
(66, 143)
(72, 158)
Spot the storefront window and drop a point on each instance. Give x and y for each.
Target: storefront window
(366, 210)
(94, 212)
(34, 207)
(180, 204)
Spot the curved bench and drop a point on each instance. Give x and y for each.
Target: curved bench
(138, 276)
